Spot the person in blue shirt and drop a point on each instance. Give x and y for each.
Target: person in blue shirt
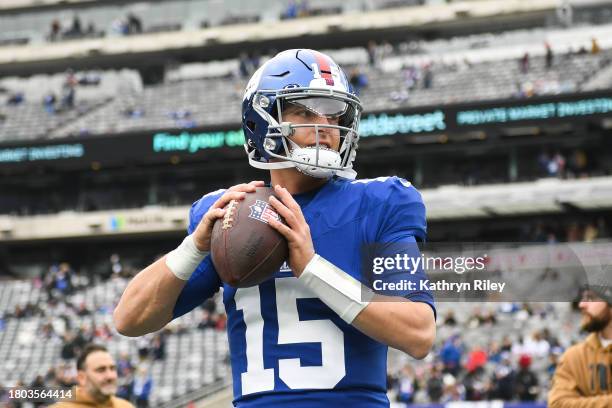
(315, 334)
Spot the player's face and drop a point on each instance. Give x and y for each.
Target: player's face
(99, 377)
(306, 136)
(596, 313)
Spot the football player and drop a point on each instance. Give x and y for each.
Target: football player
(312, 335)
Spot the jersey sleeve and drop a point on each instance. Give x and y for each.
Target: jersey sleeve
(400, 226)
(402, 212)
(204, 282)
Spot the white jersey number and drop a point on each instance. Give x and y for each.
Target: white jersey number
(290, 330)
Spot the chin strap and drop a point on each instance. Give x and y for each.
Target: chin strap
(348, 174)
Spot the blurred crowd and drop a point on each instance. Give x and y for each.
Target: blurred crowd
(571, 231)
(74, 29)
(517, 367)
(73, 324)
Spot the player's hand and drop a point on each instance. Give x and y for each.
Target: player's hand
(296, 232)
(203, 232)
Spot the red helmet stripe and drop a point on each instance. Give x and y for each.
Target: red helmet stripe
(324, 68)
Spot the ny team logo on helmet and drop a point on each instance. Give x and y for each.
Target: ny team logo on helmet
(315, 82)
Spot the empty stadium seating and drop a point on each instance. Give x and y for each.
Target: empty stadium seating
(119, 104)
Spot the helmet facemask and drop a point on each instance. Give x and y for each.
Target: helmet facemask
(316, 160)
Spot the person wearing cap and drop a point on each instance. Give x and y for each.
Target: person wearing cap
(583, 378)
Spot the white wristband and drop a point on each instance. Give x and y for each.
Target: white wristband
(341, 292)
(184, 260)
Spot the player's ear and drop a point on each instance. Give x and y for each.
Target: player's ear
(81, 377)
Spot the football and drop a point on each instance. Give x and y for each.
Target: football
(245, 250)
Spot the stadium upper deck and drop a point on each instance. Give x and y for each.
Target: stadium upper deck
(407, 76)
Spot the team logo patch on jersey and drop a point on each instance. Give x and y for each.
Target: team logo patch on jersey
(262, 211)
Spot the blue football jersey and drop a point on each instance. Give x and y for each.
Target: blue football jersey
(288, 349)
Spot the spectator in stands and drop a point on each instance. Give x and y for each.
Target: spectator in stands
(158, 346)
(244, 65)
(4, 396)
(477, 358)
(97, 381)
(553, 166)
(75, 30)
(39, 382)
(291, 11)
(503, 380)
(495, 352)
(15, 98)
(143, 347)
(68, 351)
(358, 80)
(141, 390)
(602, 228)
(55, 30)
(83, 310)
(207, 321)
(536, 346)
(553, 361)
(119, 26)
(453, 390)
(91, 29)
(476, 385)
(221, 322)
(411, 76)
(428, 76)
(577, 164)
(450, 354)
(125, 372)
(69, 90)
(116, 266)
(134, 24)
(595, 49)
(49, 103)
(125, 384)
(124, 364)
(66, 375)
(590, 232)
(449, 319)
(210, 306)
(304, 9)
(183, 119)
(526, 380)
(582, 375)
(406, 385)
(372, 53)
(103, 332)
(435, 386)
(549, 55)
(82, 337)
(524, 64)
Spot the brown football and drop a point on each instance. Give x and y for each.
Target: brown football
(244, 248)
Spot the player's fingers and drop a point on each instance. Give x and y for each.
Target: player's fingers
(213, 214)
(284, 230)
(227, 197)
(283, 211)
(239, 187)
(247, 187)
(288, 200)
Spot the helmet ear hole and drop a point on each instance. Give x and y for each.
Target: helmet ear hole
(251, 125)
